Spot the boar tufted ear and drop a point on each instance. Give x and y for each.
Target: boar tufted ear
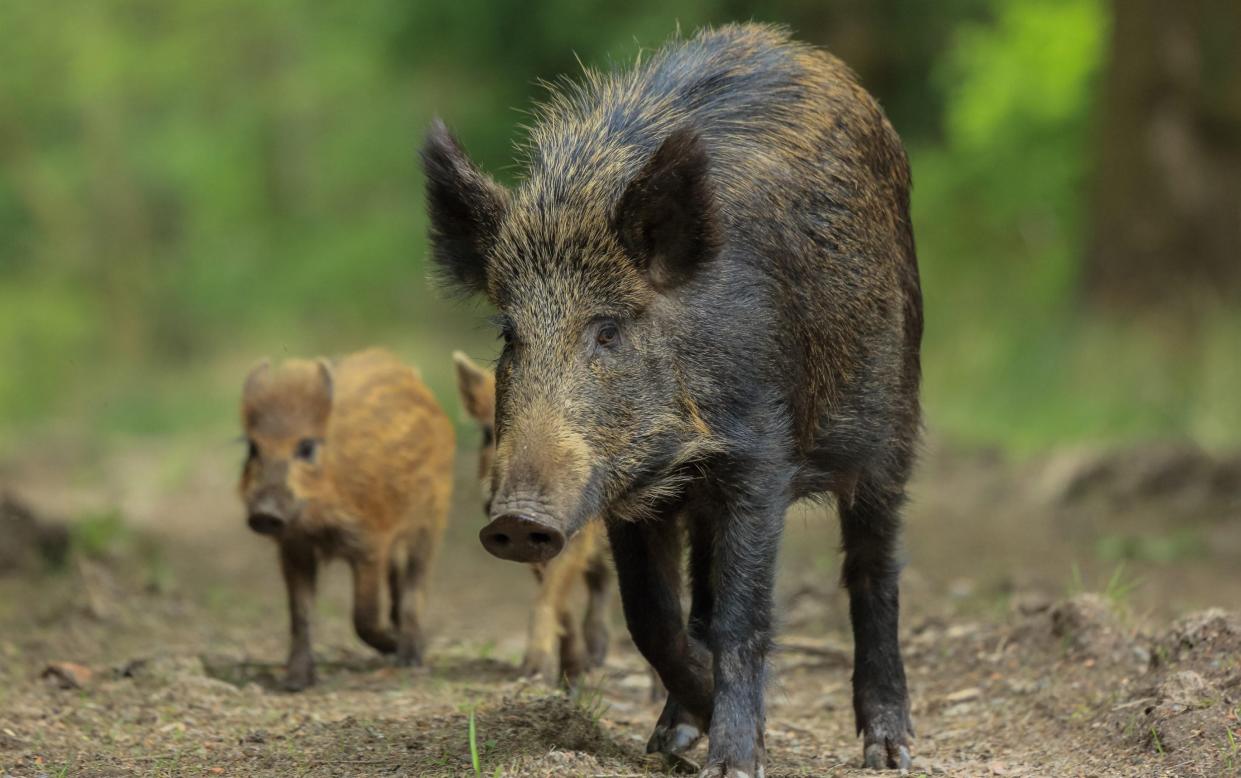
(666, 218)
(465, 208)
(475, 387)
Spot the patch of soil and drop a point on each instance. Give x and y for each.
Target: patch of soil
(1189, 711)
(1007, 676)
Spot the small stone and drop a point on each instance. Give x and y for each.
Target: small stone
(964, 695)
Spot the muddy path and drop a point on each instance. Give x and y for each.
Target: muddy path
(1056, 622)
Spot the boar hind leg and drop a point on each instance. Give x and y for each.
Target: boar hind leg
(648, 567)
(369, 619)
(870, 529)
(407, 589)
(595, 623)
(297, 562)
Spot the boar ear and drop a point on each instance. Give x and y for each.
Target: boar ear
(465, 208)
(666, 218)
(473, 386)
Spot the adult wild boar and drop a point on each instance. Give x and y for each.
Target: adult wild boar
(351, 461)
(710, 305)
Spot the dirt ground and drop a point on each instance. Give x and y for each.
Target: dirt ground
(1057, 621)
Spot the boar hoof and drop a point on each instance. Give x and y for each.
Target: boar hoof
(408, 653)
(887, 755)
(673, 740)
(676, 731)
(886, 731)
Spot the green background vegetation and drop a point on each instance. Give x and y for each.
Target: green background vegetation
(186, 187)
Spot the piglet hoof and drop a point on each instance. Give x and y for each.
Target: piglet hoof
(408, 654)
(300, 676)
(542, 665)
(887, 755)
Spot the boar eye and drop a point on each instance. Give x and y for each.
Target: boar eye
(505, 325)
(306, 449)
(254, 450)
(608, 334)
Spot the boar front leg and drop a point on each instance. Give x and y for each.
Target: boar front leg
(751, 520)
(369, 575)
(297, 562)
(648, 567)
(678, 730)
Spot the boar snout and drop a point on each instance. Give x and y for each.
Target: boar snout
(519, 537)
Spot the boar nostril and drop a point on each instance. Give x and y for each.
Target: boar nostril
(540, 538)
(500, 539)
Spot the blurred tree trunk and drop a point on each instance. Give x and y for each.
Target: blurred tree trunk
(1166, 226)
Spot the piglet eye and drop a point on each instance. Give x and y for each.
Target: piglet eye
(306, 449)
(254, 450)
(608, 334)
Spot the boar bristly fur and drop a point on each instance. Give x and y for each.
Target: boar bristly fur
(352, 461)
(709, 297)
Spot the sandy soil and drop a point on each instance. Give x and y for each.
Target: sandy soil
(155, 649)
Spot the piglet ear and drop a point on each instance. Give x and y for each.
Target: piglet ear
(666, 219)
(254, 380)
(465, 207)
(476, 387)
(325, 375)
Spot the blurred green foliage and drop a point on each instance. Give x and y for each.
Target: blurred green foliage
(189, 186)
